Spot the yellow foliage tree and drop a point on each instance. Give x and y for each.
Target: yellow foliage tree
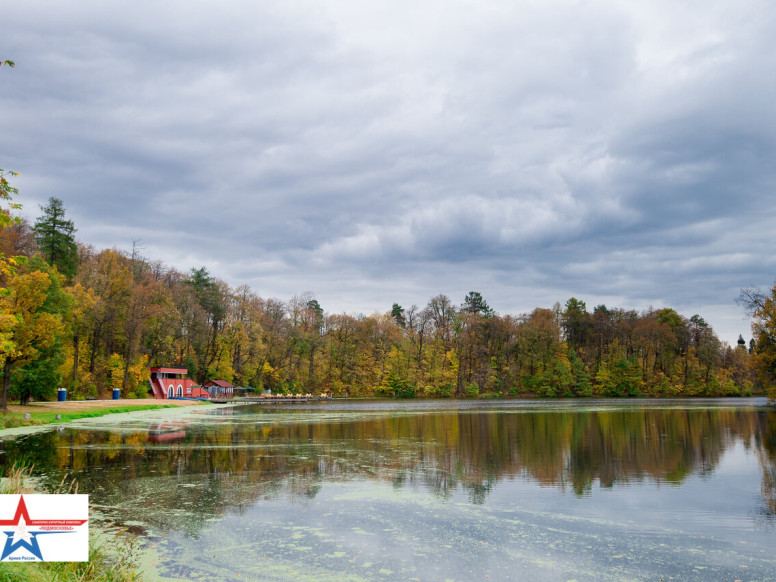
(764, 332)
(78, 319)
(27, 329)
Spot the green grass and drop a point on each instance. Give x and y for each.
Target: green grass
(103, 566)
(14, 419)
(51, 416)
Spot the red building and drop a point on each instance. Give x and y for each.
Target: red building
(173, 383)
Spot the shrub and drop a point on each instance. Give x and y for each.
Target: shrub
(139, 391)
(400, 387)
(445, 390)
(384, 391)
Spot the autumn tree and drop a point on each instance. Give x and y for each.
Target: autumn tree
(7, 218)
(269, 350)
(602, 325)
(17, 240)
(78, 319)
(419, 324)
(708, 348)
(211, 297)
(245, 332)
(735, 372)
(7, 194)
(107, 277)
(575, 321)
(762, 308)
(385, 338)
(474, 334)
(618, 374)
(146, 293)
(305, 337)
(342, 332)
(39, 377)
(32, 327)
(538, 343)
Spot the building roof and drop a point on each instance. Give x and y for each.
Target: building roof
(170, 370)
(220, 383)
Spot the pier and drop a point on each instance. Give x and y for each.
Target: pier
(267, 399)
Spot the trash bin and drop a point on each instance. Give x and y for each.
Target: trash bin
(116, 394)
(61, 395)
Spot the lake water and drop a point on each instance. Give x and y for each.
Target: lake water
(459, 490)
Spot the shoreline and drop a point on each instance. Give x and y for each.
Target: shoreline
(43, 414)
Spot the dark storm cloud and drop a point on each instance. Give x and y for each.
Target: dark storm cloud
(390, 151)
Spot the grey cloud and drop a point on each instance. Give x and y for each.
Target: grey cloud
(394, 150)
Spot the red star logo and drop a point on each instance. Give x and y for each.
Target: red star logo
(21, 511)
(20, 537)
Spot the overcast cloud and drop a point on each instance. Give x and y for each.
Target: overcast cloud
(372, 152)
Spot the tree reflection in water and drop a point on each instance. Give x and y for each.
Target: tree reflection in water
(766, 454)
(205, 468)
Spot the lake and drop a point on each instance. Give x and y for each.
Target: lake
(432, 490)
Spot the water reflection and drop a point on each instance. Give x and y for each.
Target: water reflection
(257, 453)
(552, 492)
(766, 455)
(166, 430)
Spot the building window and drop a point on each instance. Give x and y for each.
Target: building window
(170, 391)
(180, 391)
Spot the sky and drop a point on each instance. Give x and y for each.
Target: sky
(375, 152)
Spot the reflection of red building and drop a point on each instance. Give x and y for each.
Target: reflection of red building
(166, 431)
(173, 383)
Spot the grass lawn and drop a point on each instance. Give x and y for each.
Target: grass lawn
(46, 412)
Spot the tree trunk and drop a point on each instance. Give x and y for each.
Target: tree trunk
(127, 361)
(311, 370)
(93, 356)
(6, 384)
(75, 359)
(260, 373)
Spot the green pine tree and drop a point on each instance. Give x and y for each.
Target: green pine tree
(55, 237)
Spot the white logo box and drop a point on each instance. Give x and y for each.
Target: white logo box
(47, 528)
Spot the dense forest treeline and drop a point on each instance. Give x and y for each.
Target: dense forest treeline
(92, 320)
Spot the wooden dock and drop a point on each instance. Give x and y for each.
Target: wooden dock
(264, 400)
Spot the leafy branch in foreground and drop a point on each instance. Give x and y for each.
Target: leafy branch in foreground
(7, 193)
